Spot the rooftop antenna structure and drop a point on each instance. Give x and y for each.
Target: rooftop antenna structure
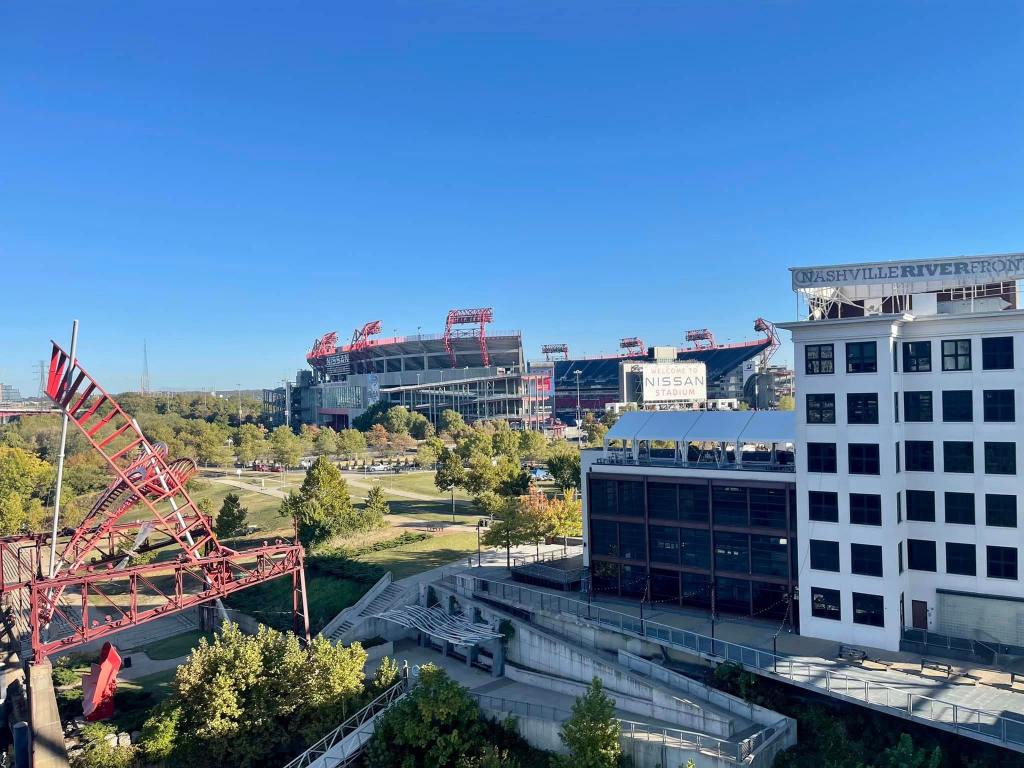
(632, 346)
(144, 383)
(480, 317)
(555, 351)
(701, 338)
(768, 329)
(41, 368)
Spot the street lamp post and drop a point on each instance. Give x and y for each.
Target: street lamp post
(478, 543)
(579, 411)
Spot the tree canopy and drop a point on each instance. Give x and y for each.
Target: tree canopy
(231, 518)
(591, 733)
(564, 464)
(322, 508)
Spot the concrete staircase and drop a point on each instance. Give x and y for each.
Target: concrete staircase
(379, 598)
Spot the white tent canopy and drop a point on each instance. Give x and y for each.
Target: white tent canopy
(706, 426)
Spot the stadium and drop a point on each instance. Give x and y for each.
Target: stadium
(466, 368)
(736, 372)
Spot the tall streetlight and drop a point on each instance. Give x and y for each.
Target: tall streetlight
(579, 411)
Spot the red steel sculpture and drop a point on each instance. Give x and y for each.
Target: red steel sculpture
(92, 590)
(100, 685)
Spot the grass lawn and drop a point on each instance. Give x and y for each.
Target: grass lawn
(271, 603)
(434, 511)
(415, 482)
(423, 555)
(174, 646)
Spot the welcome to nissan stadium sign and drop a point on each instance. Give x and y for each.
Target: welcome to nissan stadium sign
(964, 270)
(669, 382)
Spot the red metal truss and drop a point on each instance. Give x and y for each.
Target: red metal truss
(768, 329)
(549, 350)
(324, 346)
(633, 345)
(702, 338)
(480, 316)
(102, 546)
(361, 336)
(147, 592)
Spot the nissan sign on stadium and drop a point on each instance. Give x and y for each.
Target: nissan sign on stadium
(673, 382)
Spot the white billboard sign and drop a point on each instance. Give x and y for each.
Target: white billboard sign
(963, 270)
(671, 382)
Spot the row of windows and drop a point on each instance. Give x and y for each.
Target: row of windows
(1000, 458)
(866, 508)
(862, 356)
(961, 559)
(867, 609)
(998, 405)
(758, 507)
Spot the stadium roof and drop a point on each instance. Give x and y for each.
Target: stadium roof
(706, 426)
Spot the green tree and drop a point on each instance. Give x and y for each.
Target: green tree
(420, 427)
(481, 475)
(397, 420)
(787, 403)
(533, 446)
(451, 422)
(98, 752)
(22, 473)
(322, 508)
(351, 442)
(595, 432)
(326, 442)
(449, 473)
(474, 442)
(251, 443)
(372, 415)
(386, 675)
(427, 453)
(437, 724)
(286, 446)
(904, 754)
(233, 702)
(376, 507)
(510, 527)
(231, 518)
(591, 734)
(564, 465)
(504, 441)
(377, 438)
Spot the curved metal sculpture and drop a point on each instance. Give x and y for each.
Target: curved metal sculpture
(100, 685)
(457, 629)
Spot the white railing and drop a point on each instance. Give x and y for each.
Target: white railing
(359, 722)
(356, 608)
(985, 725)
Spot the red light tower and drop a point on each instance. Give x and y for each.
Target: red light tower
(480, 317)
(361, 336)
(549, 350)
(633, 346)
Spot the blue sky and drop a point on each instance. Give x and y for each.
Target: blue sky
(228, 180)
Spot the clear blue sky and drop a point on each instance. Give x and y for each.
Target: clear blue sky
(229, 180)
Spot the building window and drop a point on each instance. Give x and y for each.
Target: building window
(959, 508)
(997, 353)
(899, 555)
(921, 506)
(863, 458)
(917, 356)
(604, 537)
(896, 407)
(961, 559)
(861, 357)
(896, 445)
(821, 457)
(769, 555)
(823, 506)
(999, 405)
(825, 604)
(768, 508)
(1001, 510)
(661, 501)
(899, 507)
(917, 406)
(732, 552)
(632, 541)
(1000, 458)
(865, 509)
(919, 455)
(957, 405)
(920, 555)
(602, 497)
(825, 555)
(693, 503)
(732, 595)
(868, 609)
(730, 505)
(821, 409)
(866, 559)
(664, 544)
(1002, 562)
(631, 498)
(958, 456)
(956, 355)
(695, 547)
(862, 408)
(818, 358)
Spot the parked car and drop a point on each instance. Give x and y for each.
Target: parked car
(378, 468)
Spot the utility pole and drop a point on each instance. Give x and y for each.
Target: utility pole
(579, 411)
(239, 386)
(287, 403)
(60, 453)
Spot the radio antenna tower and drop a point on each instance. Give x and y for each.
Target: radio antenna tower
(41, 367)
(144, 384)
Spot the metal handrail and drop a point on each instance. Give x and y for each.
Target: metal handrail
(354, 723)
(985, 724)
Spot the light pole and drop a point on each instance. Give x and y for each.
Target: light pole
(579, 411)
(287, 403)
(453, 504)
(478, 542)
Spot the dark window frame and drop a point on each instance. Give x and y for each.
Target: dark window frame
(918, 406)
(868, 609)
(821, 408)
(922, 553)
(960, 509)
(917, 356)
(958, 457)
(863, 459)
(862, 408)
(822, 554)
(1001, 510)
(954, 355)
(857, 358)
(831, 607)
(865, 509)
(999, 405)
(953, 406)
(997, 353)
(866, 559)
(1000, 457)
(919, 455)
(1004, 562)
(817, 364)
(823, 506)
(921, 506)
(961, 559)
(821, 459)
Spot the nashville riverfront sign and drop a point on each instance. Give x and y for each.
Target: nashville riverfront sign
(964, 270)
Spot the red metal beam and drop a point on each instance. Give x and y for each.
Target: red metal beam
(480, 316)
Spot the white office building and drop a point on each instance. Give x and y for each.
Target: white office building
(908, 467)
